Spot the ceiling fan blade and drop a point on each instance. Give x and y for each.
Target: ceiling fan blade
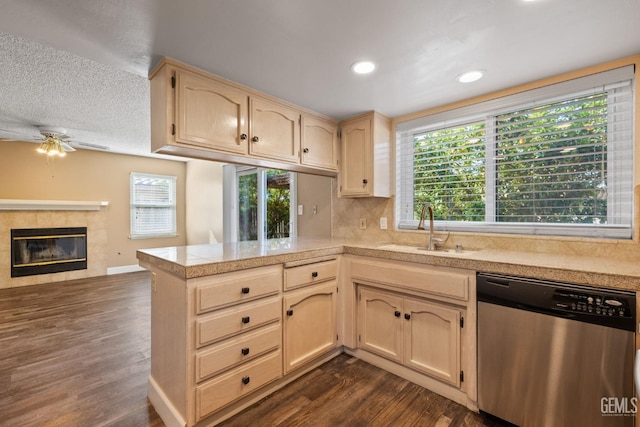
(90, 146)
(66, 146)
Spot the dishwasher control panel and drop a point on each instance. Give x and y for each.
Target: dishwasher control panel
(590, 303)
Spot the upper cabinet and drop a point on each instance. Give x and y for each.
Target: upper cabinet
(275, 131)
(210, 114)
(196, 114)
(365, 164)
(319, 142)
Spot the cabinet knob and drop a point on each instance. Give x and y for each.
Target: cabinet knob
(246, 380)
(246, 319)
(396, 313)
(365, 182)
(255, 139)
(314, 274)
(245, 290)
(245, 351)
(407, 316)
(306, 150)
(289, 312)
(243, 136)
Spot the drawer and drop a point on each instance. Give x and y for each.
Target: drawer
(237, 350)
(231, 288)
(222, 390)
(233, 320)
(309, 274)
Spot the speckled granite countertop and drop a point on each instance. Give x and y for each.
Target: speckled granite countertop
(204, 260)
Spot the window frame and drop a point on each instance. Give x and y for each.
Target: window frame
(487, 111)
(171, 204)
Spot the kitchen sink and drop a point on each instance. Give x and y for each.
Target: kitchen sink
(423, 250)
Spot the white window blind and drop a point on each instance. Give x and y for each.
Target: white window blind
(153, 206)
(556, 160)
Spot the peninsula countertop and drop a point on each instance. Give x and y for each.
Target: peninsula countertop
(193, 261)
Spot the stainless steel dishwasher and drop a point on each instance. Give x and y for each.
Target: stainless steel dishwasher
(555, 354)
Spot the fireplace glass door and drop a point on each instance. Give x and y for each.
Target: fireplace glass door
(48, 250)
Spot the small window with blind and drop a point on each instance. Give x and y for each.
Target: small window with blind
(557, 160)
(153, 206)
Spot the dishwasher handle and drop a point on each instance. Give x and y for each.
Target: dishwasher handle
(636, 371)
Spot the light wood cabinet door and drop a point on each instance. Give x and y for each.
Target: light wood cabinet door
(309, 324)
(380, 323)
(210, 114)
(355, 166)
(432, 340)
(275, 131)
(319, 142)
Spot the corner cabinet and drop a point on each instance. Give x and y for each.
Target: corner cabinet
(365, 163)
(199, 115)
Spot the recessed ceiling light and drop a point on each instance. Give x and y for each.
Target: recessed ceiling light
(363, 67)
(470, 76)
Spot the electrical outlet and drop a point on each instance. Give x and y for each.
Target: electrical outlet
(383, 223)
(363, 223)
(153, 282)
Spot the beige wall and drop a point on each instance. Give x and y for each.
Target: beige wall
(90, 175)
(314, 191)
(346, 212)
(204, 201)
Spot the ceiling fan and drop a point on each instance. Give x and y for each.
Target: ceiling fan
(54, 141)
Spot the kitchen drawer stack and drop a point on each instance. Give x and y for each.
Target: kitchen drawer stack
(238, 336)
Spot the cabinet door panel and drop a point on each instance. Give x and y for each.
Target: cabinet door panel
(210, 114)
(275, 131)
(380, 323)
(319, 143)
(431, 338)
(356, 159)
(309, 324)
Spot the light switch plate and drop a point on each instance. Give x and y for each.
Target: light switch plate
(363, 223)
(383, 223)
(300, 209)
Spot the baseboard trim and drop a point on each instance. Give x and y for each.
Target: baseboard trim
(124, 269)
(163, 406)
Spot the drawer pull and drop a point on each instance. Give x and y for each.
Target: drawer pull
(289, 312)
(407, 316)
(397, 313)
(245, 290)
(246, 380)
(245, 351)
(314, 274)
(246, 319)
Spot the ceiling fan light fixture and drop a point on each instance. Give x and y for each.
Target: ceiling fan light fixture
(51, 147)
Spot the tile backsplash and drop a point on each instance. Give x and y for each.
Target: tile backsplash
(346, 214)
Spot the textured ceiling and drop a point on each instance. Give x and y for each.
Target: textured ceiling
(83, 65)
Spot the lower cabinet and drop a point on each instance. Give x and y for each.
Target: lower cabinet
(309, 324)
(417, 333)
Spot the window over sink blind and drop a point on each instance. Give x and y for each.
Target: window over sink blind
(557, 160)
(153, 206)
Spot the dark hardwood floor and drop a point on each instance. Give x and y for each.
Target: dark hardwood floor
(77, 354)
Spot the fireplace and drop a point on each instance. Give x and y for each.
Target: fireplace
(48, 250)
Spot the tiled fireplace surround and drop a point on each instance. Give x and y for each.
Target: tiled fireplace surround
(94, 220)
